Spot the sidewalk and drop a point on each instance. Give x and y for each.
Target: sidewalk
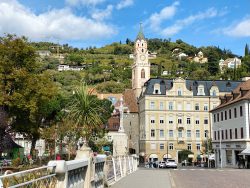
(145, 178)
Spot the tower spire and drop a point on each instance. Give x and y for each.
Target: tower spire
(140, 35)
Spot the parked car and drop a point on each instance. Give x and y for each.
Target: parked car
(171, 163)
(162, 164)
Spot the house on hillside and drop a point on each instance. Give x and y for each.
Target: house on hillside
(230, 63)
(200, 58)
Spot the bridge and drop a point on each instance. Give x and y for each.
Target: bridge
(122, 172)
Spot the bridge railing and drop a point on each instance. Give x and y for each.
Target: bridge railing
(85, 172)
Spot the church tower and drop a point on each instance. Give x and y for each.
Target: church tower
(141, 65)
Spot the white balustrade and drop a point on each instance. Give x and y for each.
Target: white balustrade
(86, 172)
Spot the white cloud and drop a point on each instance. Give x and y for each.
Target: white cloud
(84, 2)
(124, 3)
(58, 24)
(241, 29)
(167, 12)
(181, 24)
(102, 14)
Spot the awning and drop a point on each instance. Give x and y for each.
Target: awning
(211, 157)
(168, 156)
(245, 151)
(190, 155)
(153, 156)
(142, 154)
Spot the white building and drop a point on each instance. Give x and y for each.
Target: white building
(67, 68)
(26, 144)
(200, 58)
(43, 53)
(230, 127)
(230, 63)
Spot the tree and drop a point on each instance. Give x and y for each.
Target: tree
(88, 113)
(246, 50)
(25, 91)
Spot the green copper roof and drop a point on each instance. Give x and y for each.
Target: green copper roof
(140, 35)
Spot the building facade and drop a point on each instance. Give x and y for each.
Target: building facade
(230, 127)
(174, 115)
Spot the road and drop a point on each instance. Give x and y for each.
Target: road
(186, 178)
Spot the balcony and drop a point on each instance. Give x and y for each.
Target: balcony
(180, 140)
(180, 126)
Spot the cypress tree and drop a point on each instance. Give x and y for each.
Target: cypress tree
(246, 50)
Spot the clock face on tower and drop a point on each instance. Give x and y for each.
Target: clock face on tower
(142, 57)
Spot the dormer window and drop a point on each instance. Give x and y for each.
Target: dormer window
(214, 91)
(157, 89)
(201, 90)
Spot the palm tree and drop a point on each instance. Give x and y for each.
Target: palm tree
(87, 112)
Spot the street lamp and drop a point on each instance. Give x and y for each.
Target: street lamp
(220, 148)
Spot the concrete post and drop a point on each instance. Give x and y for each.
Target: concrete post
(114, 168)
(120, 164)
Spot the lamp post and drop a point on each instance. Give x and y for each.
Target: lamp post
(220, 148)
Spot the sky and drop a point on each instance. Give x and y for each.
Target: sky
(84, 23)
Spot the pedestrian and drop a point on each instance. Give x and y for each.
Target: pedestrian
(58, 157)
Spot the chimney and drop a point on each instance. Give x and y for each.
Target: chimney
(235, 95)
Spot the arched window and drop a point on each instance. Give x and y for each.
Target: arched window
(142, 73)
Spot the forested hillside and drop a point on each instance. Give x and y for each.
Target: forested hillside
(109, 67)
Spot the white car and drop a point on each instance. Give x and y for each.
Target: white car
(171, 163)
(162, 164)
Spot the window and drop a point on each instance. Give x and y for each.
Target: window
(241, 132)
(241, 111)
(152, 133)
(161, 133)
(230, 114)
(170, 121)
(189, 133)
(225, 115)
(170, 105)
(152, 120)
(218, 117)
(222, 134)
(214, 93)
(179, 133)
(235, 112)
(218, 135)
(231, 135)
(142, 73)
(235, 133)
(188, 106)
(161, 119)
(221, 116)
(170, 146)
(206, 121)
(226, 134)
(161, 146)
(179, 92)
(197, 133)
(109, 138)
(214, 135)
(171, 133)
(179, 106)
(189, 147)
(153, 146)
(197, 106)
(152, 105)
(161, 106)
(197, 121)
(188, 120)
(179, 120)
(205, 107)
(198, 146)
(214, 117)
(206, 133)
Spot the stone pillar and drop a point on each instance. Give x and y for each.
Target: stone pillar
(223, 157)
(120, 144)
(86, 152)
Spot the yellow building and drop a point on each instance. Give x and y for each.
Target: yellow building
(174, 115)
